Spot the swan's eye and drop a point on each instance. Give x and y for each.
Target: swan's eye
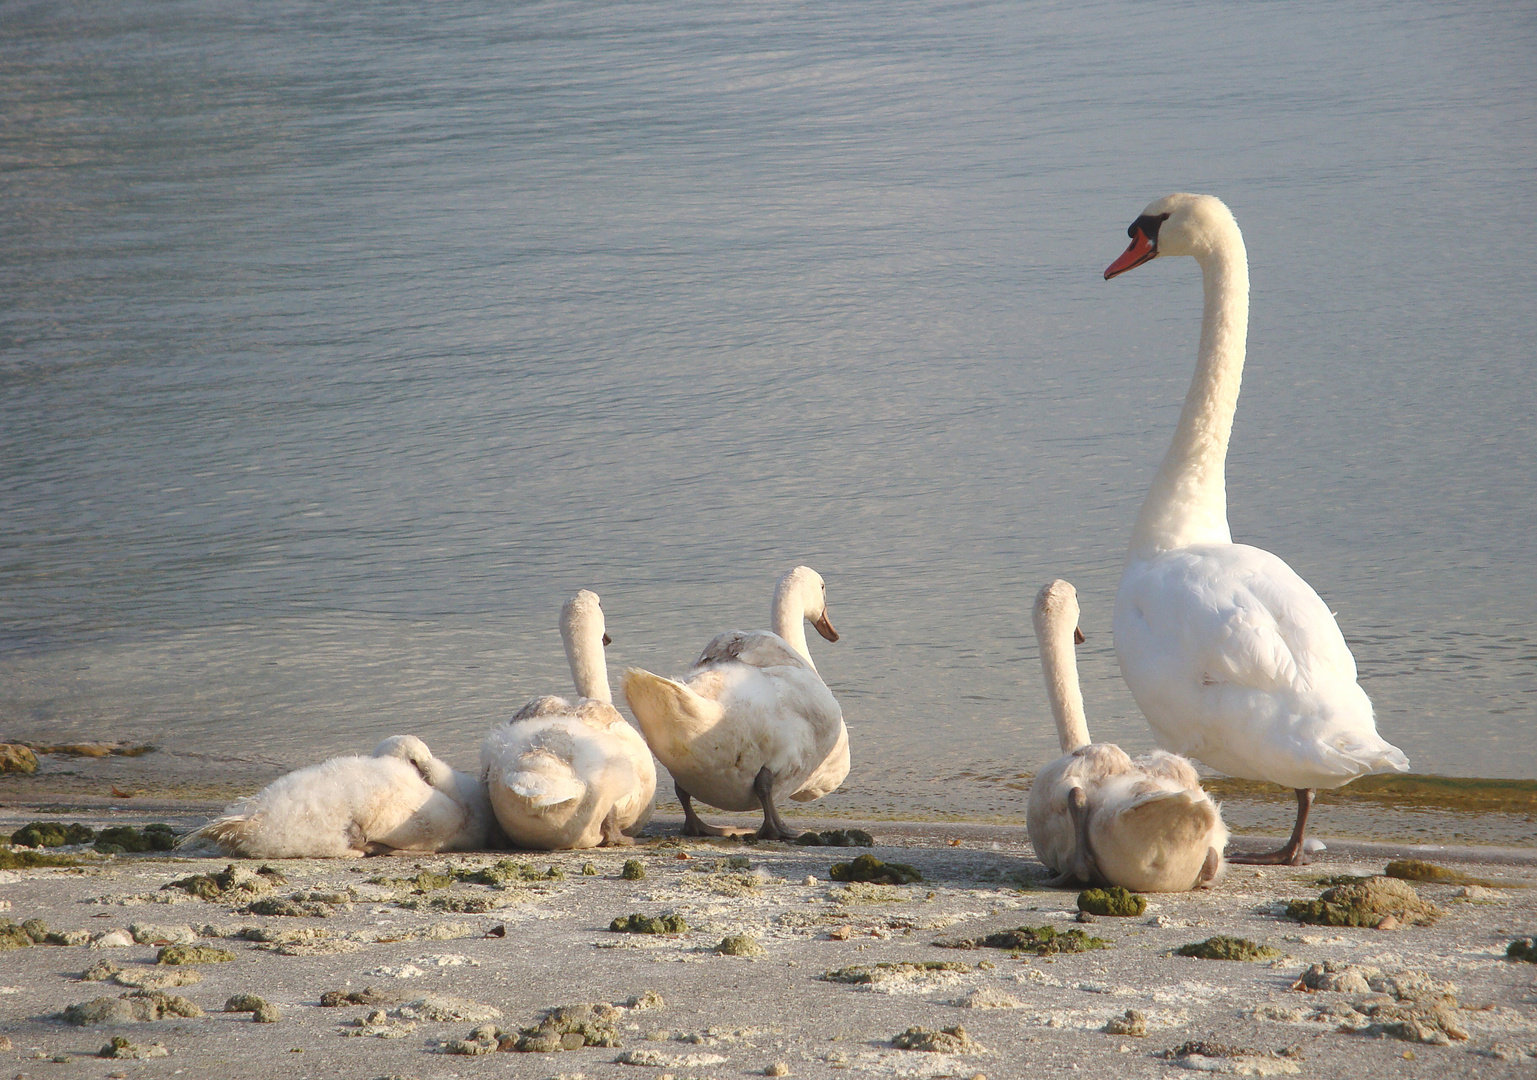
(1147, 225)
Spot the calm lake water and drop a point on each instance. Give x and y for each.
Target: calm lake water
(341, 343)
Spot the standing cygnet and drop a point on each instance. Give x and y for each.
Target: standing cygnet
(571, 774)
(1096, 816)
(752, 720)
(352, 806)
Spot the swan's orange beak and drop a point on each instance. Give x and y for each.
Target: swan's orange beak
(1139, 251)
(1077, 636)
(607, 640)
(824, 627)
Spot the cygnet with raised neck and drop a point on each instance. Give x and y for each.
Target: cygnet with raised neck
(751, 722)
(565, 774)
(1095, 815)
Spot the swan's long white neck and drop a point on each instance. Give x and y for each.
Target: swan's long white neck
(581, 628)
(1054, 628)
(788, 616)
(1187, 503)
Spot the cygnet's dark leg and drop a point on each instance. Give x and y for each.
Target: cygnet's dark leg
(1081, 869)
(692, 826)
(612, 834)
(1291, 854)
(774, 827)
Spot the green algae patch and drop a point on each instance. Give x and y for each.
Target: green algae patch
(509, 872)
(1465, 794)
(634, 870)
(1522, 949)
(52, 834)
(13, 936)
(869, 974)
(125, 839)
(950, 1040)
(869, 869)
(1431, 874)
(16, 758)
(836, 838)
(1133, 1022)
(229, 883)
(1340, 879)
(27, 860)
(1223, 947)
(649, 924)
(740, 945)
(1114, 901)
(193, 954)
(569, 1027)
(1368, 903)
(589, 869)
(1040, 940)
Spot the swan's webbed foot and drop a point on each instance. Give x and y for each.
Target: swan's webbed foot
(773, 827)
(1291, 853)
(1081, 868)
(612, 835)
(692, 826)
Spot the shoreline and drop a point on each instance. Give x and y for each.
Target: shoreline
(422, 929)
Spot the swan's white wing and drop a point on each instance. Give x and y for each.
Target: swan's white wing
(1235, 660)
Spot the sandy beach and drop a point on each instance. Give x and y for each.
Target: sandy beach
(434, 948)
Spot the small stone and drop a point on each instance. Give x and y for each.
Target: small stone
(648, 999)
(779, 1068)
(266, 1013)
(1389, 922)
(810, 880)
(100, 971)
(239, 1003)
(840, 933)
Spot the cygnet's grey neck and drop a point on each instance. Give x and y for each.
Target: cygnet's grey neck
(1055, 624)
(581, 628)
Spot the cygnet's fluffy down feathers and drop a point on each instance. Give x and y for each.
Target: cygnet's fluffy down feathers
(559, 769)
(351, 806)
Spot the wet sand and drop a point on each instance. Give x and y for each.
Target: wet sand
(726, 1015)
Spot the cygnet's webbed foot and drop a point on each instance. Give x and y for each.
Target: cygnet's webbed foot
(1209, 869)
(1291, 853)
(1081, 868)
(692, 826)
(773, 827)
(612, 835)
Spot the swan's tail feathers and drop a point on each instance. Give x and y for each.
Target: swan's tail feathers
(233, 832)
(544, 780)
(1354, 756)
(669, 713)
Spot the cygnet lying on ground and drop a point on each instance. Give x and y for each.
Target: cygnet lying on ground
(399, 799)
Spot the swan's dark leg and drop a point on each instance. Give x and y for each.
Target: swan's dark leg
(774, 827)
(1209, 869)
(1291, 854)
(613, 835)
(1081, 869)
(692, 826)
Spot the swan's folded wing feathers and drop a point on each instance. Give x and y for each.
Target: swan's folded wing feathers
(545, 705)
(754, 648)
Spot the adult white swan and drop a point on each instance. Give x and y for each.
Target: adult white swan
(1230, 655)
(752, 720)
(571, 774)
(1095, 815)
(398, 799)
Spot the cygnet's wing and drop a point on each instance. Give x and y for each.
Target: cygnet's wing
(755, 648)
